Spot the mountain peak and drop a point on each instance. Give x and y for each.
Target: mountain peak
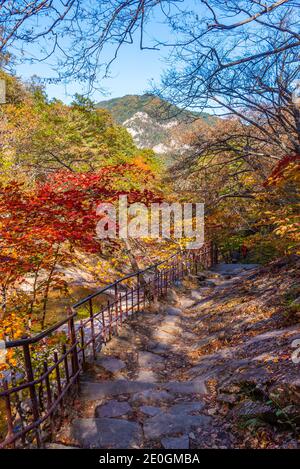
(125, 107)
(151, 121)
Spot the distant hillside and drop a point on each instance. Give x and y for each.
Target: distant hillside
(124, 108)
(152, 122)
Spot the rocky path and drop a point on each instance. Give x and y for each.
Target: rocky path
(154, 385)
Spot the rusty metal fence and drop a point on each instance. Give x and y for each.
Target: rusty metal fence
(48, 366)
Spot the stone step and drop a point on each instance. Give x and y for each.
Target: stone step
(133, 412)
(113, 409)
(111, 364)
(92, 391)
(183, 387)
(107, 433)
(175, 421)
(179, 442)
(233, 269)
(172, 311)
(97, 390)
(151, 397)
(148, 359)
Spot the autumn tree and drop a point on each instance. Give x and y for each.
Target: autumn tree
(43, 225)
(39, 136)
(218, 34)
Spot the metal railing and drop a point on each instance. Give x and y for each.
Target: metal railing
(48, 366)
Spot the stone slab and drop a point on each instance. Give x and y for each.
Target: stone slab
(151, 397)
(107, 433)
(186, 302)
(94, 391)
(159, 348)
(58, 446)
(180, 442)
(150, 410)
(148, 360)
(169, 423)
(146, 376)
(164, 336)
(194, 387)
(112, 409)
(172, 311)
(113, 365)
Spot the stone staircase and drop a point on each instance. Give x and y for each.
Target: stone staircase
(137, 394)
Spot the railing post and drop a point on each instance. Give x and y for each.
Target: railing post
(155, 285)
(159, 292)
(147, 293)
(58, 378)
(215, 254)
(109, 320)
(92, 327)
(66, 363)
(138, 291)
(72, 332)
(116, 306)
(32, 390)
(132, 301)
(126, 303)
(49, 395)
(177, 270)
(121, 310)
(166, 281)
(82, 345)
(103, 326)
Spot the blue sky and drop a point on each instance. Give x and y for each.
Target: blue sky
(131, 73)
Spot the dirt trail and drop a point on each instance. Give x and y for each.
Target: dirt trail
(188, 373)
